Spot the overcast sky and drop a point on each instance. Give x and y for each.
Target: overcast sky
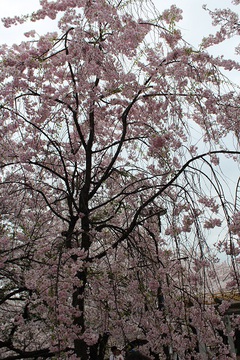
(195, 25)
(196, 21)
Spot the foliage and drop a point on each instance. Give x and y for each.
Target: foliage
(113, 130)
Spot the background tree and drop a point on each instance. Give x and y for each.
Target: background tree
(107, 202)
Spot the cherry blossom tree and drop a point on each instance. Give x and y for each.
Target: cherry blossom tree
(113, 130)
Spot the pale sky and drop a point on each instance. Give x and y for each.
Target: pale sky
(195, 24)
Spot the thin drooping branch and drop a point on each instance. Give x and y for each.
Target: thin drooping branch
(134, 221)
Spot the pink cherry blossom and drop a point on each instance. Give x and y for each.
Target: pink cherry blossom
(114, 207)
